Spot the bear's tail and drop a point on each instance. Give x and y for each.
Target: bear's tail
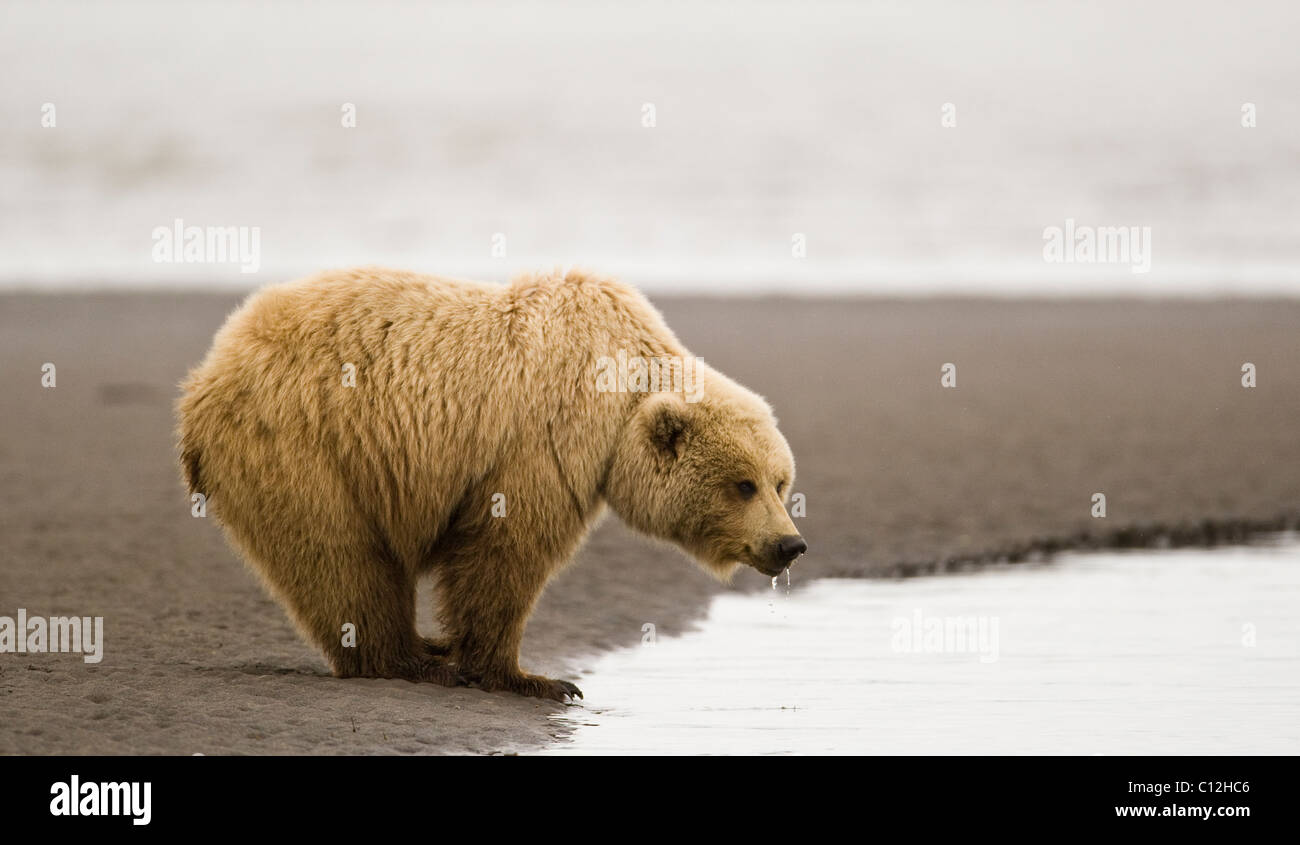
(192, 467)
(186, 436)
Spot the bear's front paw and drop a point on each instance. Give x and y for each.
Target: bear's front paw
(569, 689)
(534, 686)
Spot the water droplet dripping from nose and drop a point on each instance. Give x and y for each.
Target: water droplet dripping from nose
(774, 577)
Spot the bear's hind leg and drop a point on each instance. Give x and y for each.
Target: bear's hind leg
(380, 601)
(358, 608)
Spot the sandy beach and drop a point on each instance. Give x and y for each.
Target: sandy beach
(1055, 401)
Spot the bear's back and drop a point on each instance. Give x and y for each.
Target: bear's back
(368, 380)
(398, 391)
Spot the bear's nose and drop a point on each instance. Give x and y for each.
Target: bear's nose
(791, 546)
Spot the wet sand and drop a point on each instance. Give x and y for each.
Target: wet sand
(1055, 401)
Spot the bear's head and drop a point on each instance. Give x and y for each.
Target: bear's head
(711, 476)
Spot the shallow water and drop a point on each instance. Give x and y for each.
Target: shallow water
(1170, 652)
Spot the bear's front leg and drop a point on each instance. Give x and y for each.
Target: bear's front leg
(486, 593)
(535, 686)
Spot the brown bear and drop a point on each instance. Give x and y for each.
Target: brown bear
(358, 429)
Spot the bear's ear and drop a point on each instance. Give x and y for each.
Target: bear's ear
(667, 417)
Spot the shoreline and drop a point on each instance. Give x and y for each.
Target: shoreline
(1056, 400)
(1206, 533)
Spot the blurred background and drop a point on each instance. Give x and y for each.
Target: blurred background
(528, 121)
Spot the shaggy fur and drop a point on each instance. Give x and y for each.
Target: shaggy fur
(341, 497)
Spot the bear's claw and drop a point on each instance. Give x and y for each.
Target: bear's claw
(561, 691)
(570, 689)
(534, 686)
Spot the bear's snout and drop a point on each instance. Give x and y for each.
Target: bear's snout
(786, 549)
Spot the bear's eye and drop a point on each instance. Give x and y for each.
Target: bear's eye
(747, 488)
(780, 485)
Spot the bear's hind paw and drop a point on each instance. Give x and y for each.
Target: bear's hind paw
(434, 670)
